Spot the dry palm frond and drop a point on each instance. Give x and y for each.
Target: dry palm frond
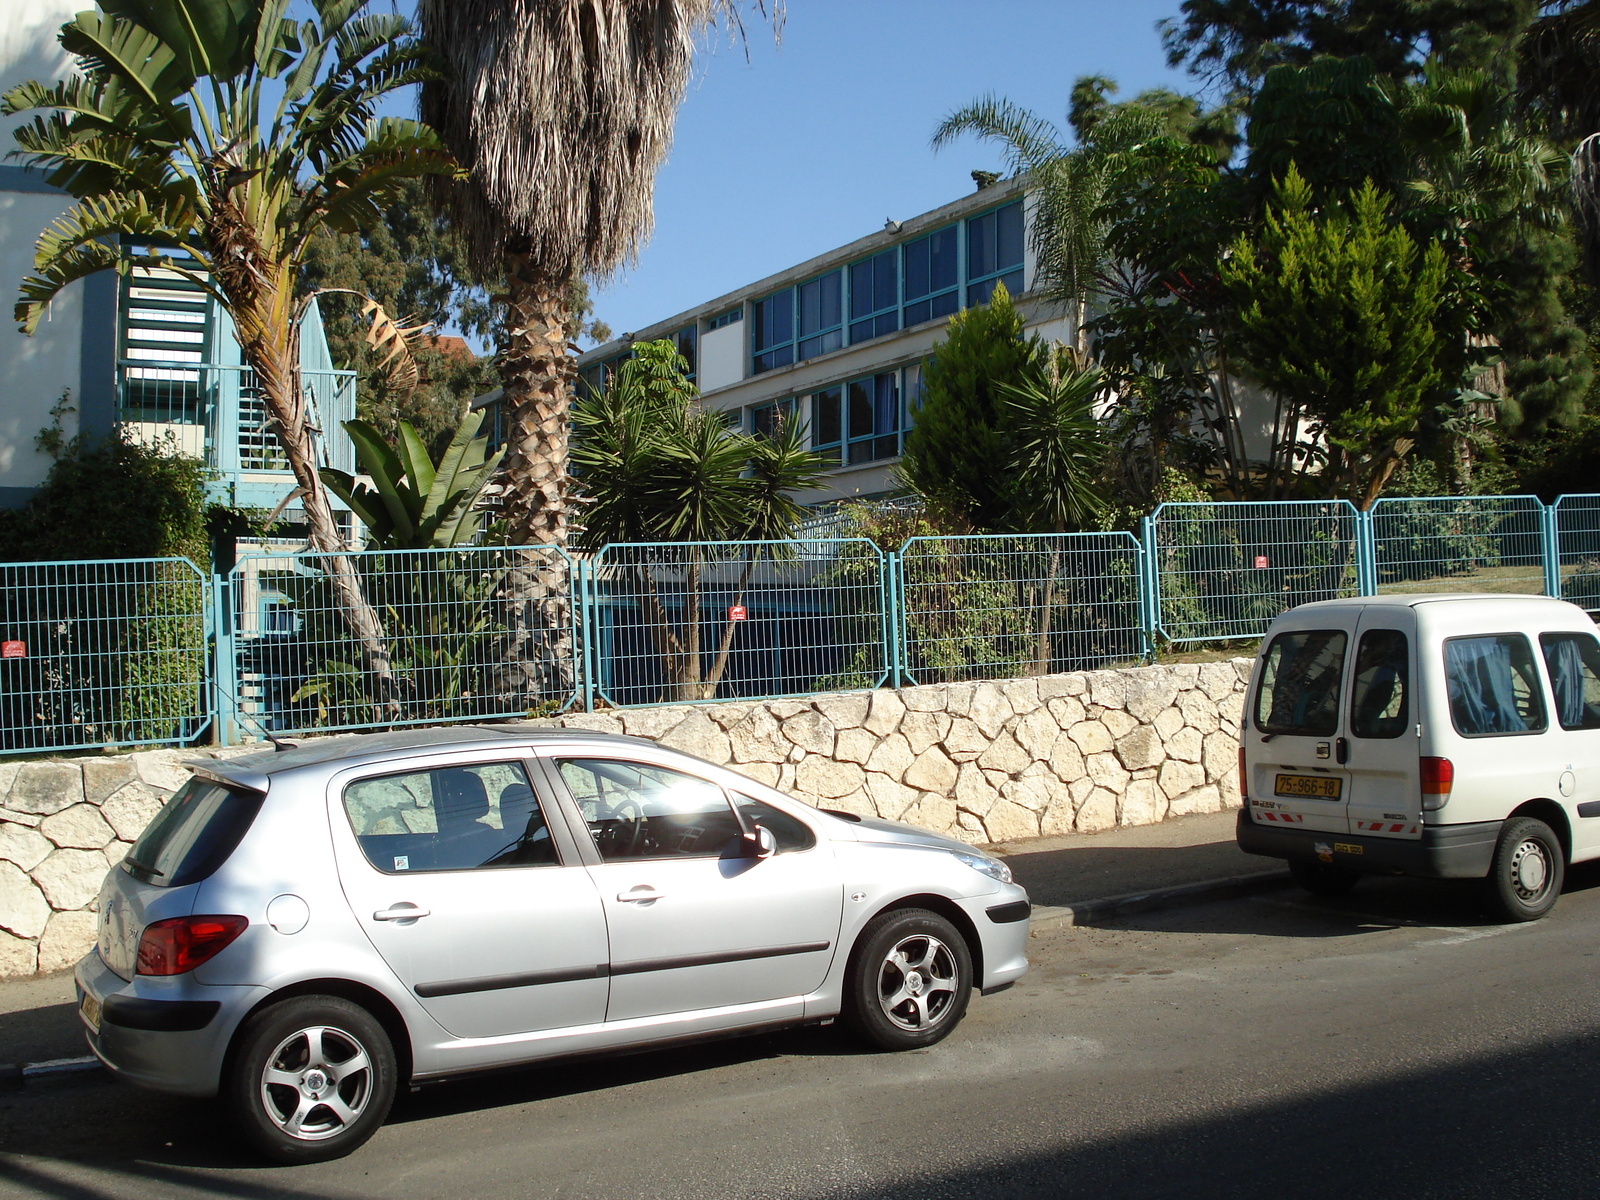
(392, 342)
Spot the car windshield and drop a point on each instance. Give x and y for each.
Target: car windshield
(193, 835)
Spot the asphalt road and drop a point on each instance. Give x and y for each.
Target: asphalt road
(1391, 1043)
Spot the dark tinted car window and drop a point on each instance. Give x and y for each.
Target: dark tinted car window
(1573, 660)
(193, 835)
(790, 833)
(1299, 689)
(1493, 685)
(1378, 707)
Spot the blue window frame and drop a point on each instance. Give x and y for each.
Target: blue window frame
(875, 296)
(772, 331)
(827, 426)
(821, 305)
(873, 426)
(932, 277)
(727, 318)
(994, 253)
(767, 419)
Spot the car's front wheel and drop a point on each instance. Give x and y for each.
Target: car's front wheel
(910, 979)
(311, 1079)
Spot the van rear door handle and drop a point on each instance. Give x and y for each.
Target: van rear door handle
(1341, 751)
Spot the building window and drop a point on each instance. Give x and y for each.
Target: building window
(875, 296)
(931, 277)
(684, 340)
(994, 253)
(826, 426)
(772, 332)
(821, 304)
(727, 318)
(767, 420)
(874, 418)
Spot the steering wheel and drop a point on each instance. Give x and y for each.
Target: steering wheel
(622, 828)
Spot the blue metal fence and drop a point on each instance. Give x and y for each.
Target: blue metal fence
(147, 652)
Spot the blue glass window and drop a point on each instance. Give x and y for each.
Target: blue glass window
(874, 420)
(874, 296)
(826, 426)
(994, 253)
(821, 305)
(772, 332)
(727, 318)
(931, 277)
(767, 419)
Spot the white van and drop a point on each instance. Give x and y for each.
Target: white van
(1452, 737)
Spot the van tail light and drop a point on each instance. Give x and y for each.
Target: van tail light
(1244, 779)
(181, 944)
(1438, 777)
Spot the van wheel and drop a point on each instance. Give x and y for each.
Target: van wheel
(311, 1079)
(1321, 879)
(1529, 868)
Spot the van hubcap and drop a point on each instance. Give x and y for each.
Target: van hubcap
(1530, 870)
(316, 1083)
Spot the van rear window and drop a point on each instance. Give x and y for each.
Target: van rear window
(1573, 660)
(1493, 685)
(193, 835)
(1299, 689)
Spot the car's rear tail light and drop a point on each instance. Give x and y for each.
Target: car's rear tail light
(1438, 777)
(1244, 779)
(181, 944)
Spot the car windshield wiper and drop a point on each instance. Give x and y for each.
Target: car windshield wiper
(133, 862)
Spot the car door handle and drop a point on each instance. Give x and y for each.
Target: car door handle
(400, 912)
(639, 894)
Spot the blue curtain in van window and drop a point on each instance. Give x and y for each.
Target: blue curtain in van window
(1478, 672)
(1565, 661)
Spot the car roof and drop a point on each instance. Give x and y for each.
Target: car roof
(254, 771)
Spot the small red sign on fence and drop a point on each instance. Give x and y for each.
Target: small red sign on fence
(13, 649)
(738, 612)
(1261, 562)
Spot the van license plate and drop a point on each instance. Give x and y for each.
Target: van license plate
(1319, 787)
(90, 1011)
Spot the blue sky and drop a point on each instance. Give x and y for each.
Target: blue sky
(815, 142)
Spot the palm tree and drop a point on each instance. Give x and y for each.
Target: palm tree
(217, 138)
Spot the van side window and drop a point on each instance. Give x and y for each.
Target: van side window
(1378, 700)
(1573, 660)
(1493, 685)
(1299, 691)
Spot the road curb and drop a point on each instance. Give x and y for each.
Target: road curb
(1092, 912)
(15, 1077)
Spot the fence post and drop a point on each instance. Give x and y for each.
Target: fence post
(584, 630)
(1550, 530)
(893, 619)
(1149, 583)
(1366, 554)
(225, 674)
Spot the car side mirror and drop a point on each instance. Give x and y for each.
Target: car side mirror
(759, 842)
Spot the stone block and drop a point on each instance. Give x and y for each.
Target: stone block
(973, 790)
(964, 740)
(891, 756)
(728, 715)
(1185, 745)
(1207, 799)
(1022, 695)
(1118, 723)
(1109, 689)
(827, 779)
(1220, 756)
(1139, 748)
(24, 910)
(131, 808)
(161, 769)
(811, 731)
(758, 738)
(937, 813)
(958, 698)
(1056, 821)
(1053, 686)
(846, 712)
(990, 709)
(31, 820)
(784, 709)
(46, 787)
(1066, 759)
(1037, 732)
(19, 957)
(928, 698)
(600, 722)
(890, 799)
(651, 723)
(1067, 710)
(1096, 813)
(24, 846)
(1007, 822)
(969, 828)
(761, 772)
(1176, 777)
(786, 774)
(698, 734)
(1105, 771)
(855, 745)
(924, 729)
(1199, 712)
(1078, 790)
(1032, 791)
(1004, 754)
(1148, 691)
(8, 776)
(80, 827)
(1218, 680)
(857, 802)
(1185, 675)
(68, 937)
(1092, 737)
(884, 713)
(1169, 720)
(997, 779)
(71, 879)
(103, 776)
(1141, 804)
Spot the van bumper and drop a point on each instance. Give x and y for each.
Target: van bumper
(1443, 851)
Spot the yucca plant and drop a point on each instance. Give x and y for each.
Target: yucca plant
(215, 138)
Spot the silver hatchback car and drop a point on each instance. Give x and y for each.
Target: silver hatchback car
(302, 931)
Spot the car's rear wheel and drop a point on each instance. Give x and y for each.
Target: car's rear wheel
(1322, 879)
(1529, 868)
(909, 981)
(311, 1079)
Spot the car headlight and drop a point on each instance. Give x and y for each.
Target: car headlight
(983, 864)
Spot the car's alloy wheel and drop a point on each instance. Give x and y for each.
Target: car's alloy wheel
(910, 980)
(312, 1078)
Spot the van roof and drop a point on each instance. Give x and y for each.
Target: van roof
(1413, 599)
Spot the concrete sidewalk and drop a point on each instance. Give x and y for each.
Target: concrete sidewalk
(1077, 879)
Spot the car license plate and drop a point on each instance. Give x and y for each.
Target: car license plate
(89, 1010)
(1318, 787)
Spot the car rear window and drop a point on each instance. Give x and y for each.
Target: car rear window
(193, 835)
(1493, 685)
(1299, 689)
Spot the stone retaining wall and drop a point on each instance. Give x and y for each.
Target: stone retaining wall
(985, 762)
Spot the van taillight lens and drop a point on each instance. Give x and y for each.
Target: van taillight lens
(181, 944)
(1244, 778)
(1438, 777)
